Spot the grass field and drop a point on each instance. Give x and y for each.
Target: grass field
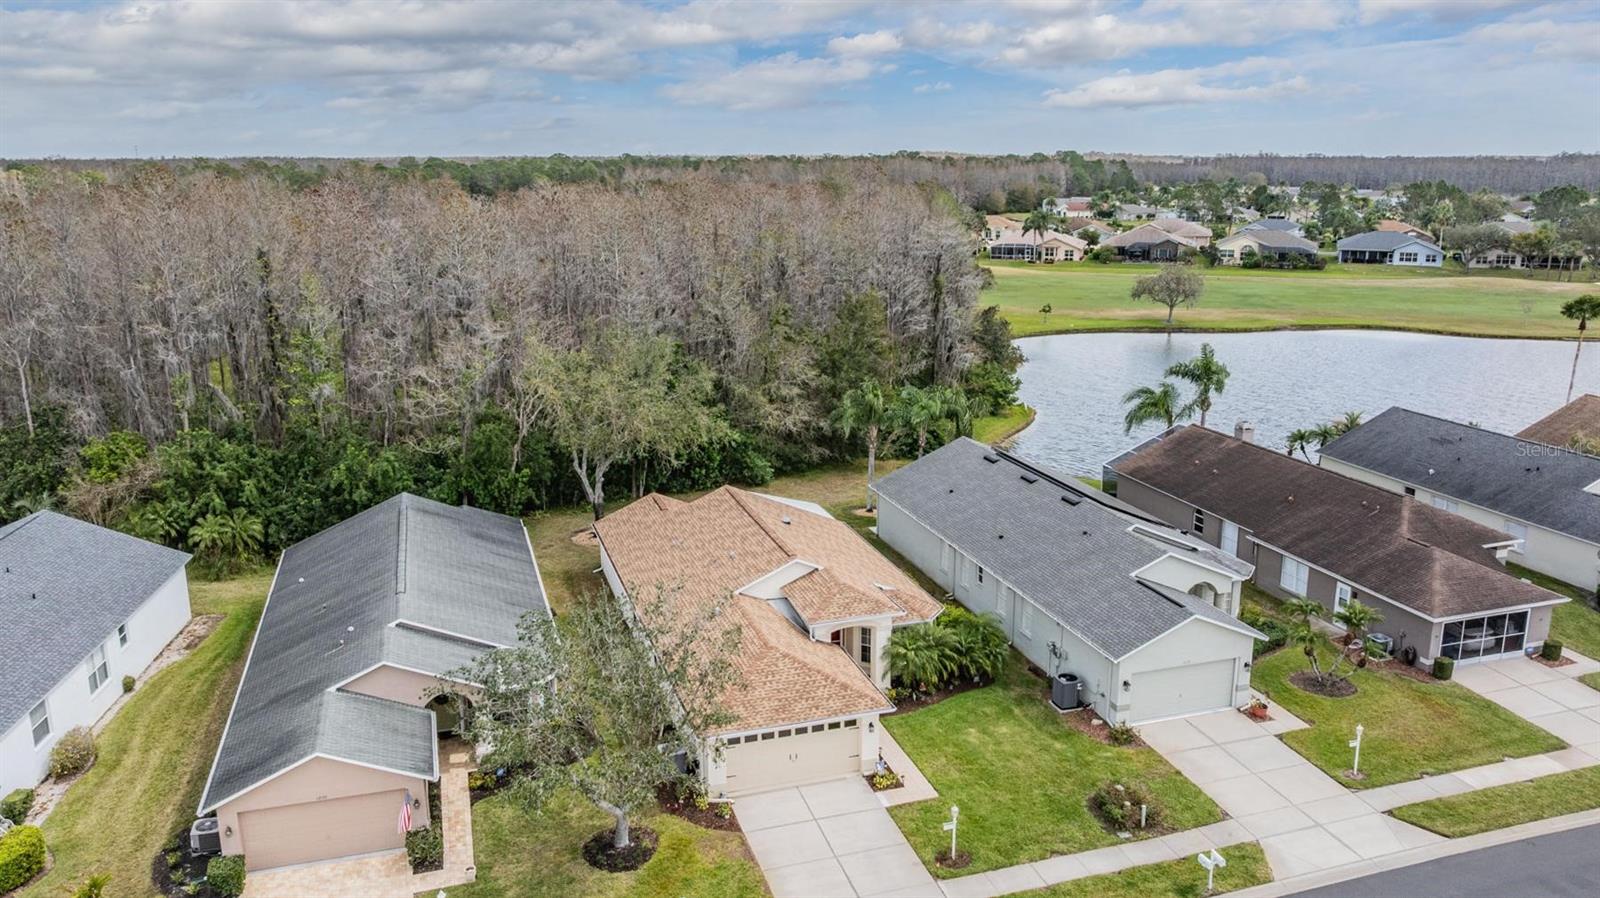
(1502, 806)
(1413, 727)
(154, 755)
(1089, 296)
(1576, 624)
(1022, 777)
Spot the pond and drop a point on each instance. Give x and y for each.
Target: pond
(1284, 380)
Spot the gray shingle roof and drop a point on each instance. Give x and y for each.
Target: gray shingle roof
(1517, 477)
(65, 585)
(1279, 240)
(1074, 561)
(1273, 224)
(409, 582)
(1382, 241)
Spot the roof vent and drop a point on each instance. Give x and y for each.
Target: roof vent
(784, 519)
(1070, 499)
(1001, 536)
(1290, 500)
(1029, 478)
(991, 458)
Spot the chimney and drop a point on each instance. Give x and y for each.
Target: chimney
(1244, 431)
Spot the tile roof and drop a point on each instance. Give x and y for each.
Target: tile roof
(387, 586)
(1580, 417)
(708, 551)
(1150, 233)
(1034, 238)
(1273, 224)
(1182, 226)
(1383, 241)
(1274, 240)
(1422, 557)
(1074, 560)
(65, 585)
(1530, 481)
(1394, 225)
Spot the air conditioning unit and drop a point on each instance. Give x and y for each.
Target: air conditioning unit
(204, 837)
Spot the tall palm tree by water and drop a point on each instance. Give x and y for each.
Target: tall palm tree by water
(1206, 374)
(1146, 404)
(1582, 310)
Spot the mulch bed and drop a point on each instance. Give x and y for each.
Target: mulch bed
(943, 859)
(872, 784)
(600, 855)
(1087, 722)
(1563, 661)
(1334, 688)
(175, 880)
(706, 818)
(922, 701)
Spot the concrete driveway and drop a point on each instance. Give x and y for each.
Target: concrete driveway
(831, 840)
(1548, 697)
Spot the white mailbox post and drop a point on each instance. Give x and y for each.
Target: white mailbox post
(1211, 860)
(1355, 743)
(950, 827)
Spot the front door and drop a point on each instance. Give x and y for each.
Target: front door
(1230, 538)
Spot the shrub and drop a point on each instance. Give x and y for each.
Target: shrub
(981, 643)
(1443, 667)
(127, 683)
(1277, 634)
(73, 754)
(1551, 650)
(885, 780)
(425, 848)
(21, 856)
(477, 781)
(225, 875)
(1121, 734)
(15, 807)
(1118, 805)
(93, 887)
(923, 656)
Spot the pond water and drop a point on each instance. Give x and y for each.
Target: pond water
(1283, 380)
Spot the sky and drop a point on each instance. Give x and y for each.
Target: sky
(383, 78)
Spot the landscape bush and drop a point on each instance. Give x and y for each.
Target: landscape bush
(225, 875)
(958, 645)
(21, 856)
(127, 684)
(1277, 634)
(16, 805)
(1121, 734)
(1443, 667)
(425, 848)
(1118, 805)
(1551, 650)
(93, 887)
(73, 753)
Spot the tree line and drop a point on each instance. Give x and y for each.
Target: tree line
(230, 362)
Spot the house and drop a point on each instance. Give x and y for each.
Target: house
(1143, 615)
(1390, 248)
(1393, 226)
(1435, 577)
(1269, 244)
(338, 716)
(1136, 212)
(815, 606)
(1181, 227)
(1577, 420)
(1281, 225)
(1379, 198)
(1069, 205)
(1150, 243)
(81, 607)
(1032, 246)
(1546, 497)
(995, 225)
(1502, 256)
(1079, 227)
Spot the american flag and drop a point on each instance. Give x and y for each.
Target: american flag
(405, 813)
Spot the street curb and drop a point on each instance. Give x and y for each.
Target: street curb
(1412, 856)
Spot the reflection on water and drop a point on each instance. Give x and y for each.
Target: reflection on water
(1283, 380)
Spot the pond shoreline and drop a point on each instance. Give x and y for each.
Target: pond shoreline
(1202, 329)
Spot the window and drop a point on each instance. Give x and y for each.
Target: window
(866, 645)
(39, 719)
(1292, 577)
(122, 634)
(1342, 593)
(768, 735)
(980, 573)
(944, 558)
(1484, 637)
(1445, 503)
(1432, 257)
(98, 673)
(1224, 253)
(834, 726)
(817, 728)
(784, 734)
(837, 638)
(1199, 521)
(1408, 257)
(1026, 623)
(1001, 600)
(1411, 491)
(849, 724)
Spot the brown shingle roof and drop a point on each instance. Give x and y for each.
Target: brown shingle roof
(1580, 417)
(1419, 556)
(706, 551)
(1150, 233)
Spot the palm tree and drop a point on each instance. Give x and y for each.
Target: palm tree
(1153, 404)
(1206, 374)
(1038, 222)
(954, 405)
(864, 409)
(916, 411)
(1299, 440)
(227, 540)
(1581, 310)
(923, 656)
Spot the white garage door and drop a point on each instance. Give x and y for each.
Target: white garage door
(317, 830)
(800, 757)
(1176, 691)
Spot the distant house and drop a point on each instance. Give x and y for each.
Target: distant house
(1272, 245)
(1522, 207)
(1069, 205)
(1184, 228)
(1437, 578)
(1394, 226)
(80, 608)
(1149, 243)
(1143, 615)
(1380, 198)
(1032, 246)
(995, 225)
(1578, 419)
(1136, 212)
(1281, 225)
(1502, 256)
(1545, 496)
(1390, 248)
(1077, 227)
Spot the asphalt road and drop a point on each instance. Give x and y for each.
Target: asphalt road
(1559, 865)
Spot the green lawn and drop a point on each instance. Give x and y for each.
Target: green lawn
(1412, 727)
(999, 428)
(1022, 777)
(1089, 296)
(1576, 623)
(1501, 806)
(154, 755)
(1591, 680)
(1247, 866)
(539, 856)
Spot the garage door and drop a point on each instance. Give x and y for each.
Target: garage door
(318, 830)
(790, 760)
(1176, 691)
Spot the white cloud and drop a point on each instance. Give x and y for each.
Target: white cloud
(1225, 83)
(782, 81)
(937, 87)
(874, 43)
(1544, 38)
(1441, 10)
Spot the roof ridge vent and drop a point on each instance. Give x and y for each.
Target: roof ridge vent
(400, 546)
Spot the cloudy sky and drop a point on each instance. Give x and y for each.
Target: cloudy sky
(407, 77)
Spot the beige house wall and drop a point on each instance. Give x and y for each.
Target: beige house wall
(317, 780)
